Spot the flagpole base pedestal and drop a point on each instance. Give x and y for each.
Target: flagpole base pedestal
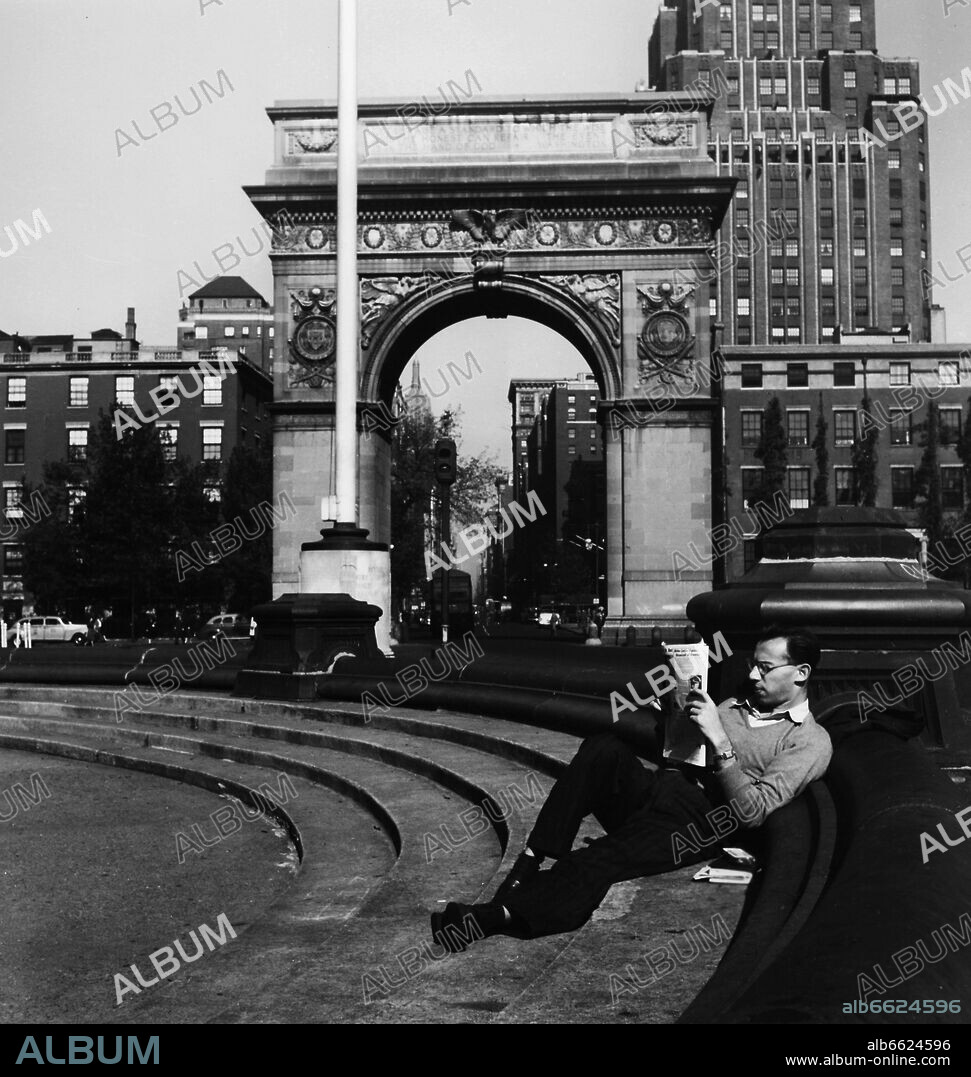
(344, 562)
(299, 638)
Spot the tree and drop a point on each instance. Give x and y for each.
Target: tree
(964, 452)
(773, 453)
(929, 502)
(246, 576)
(820, 444)
(865, 458)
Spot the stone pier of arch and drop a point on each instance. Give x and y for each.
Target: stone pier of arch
(596, 216)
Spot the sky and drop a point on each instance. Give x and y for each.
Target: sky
(122, 225)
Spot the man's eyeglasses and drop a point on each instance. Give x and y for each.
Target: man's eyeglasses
(764, 668)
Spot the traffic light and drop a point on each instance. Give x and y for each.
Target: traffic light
(445, 466)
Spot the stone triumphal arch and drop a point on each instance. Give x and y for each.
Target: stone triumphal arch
(593, 215)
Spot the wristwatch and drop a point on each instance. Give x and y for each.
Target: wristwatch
(723, 757)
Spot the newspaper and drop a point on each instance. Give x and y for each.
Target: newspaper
(683, 740)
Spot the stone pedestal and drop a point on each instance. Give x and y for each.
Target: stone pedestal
(300, 637)
(344, 562)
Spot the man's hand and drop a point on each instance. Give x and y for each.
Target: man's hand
(702, 711)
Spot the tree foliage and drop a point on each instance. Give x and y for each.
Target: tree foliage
(415, 495)
(928, 484)
(115, 546)
(773, 453)
(865, 457)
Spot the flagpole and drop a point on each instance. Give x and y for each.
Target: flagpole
(348, 306)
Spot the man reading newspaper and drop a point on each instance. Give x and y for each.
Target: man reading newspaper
(762, 750)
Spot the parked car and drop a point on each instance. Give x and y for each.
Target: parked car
(229, 624)
(54, 630)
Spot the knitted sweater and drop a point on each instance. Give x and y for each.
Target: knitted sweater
(775, 763)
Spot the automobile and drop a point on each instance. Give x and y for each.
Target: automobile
(226, 624)
(53, 630)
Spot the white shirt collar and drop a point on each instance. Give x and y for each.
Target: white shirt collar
(798, 714)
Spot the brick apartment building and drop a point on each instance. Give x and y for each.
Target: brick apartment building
(55, 387)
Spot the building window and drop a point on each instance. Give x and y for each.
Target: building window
(952, 486)
(169, 437)
(826, 12)
(947, 373)
(826, 218)
(765, 86)
(752, 424)
(78, 393)
(798, 487)
(571, 434)
(771, 13)
(897, 306)
(212, 390)
(16, 392)
(797, 375)
(859, 247)
(849, 80)
(900, 373)
(13, 560)
(792, 276)
(896, 249)
(902, 487)
(212, 492)
(859, 218)
(743, 275)
(826, 275)
(781, 86)
(844, 424)
(125, 391)
(75, 499)
(229, 331)
(245, 331)
(845, 485)
(897, 276)
(778, 275)
(812, 87)
(805, 41)
(741, 218)
(861, 307)
(950, 425)
(856, 13)
(749, 555)
(797, 423)
(901, 426)
(744, 307)
(903, 85)
(896, 218)
(571, 451)
(212, 443)
(758, 13)
(751, 484)
(792, 248)
(725, 12)
(751, 375)
(77, 445)
(202, 331)
(893, 159)
(13, 494)
(844, 374)
(14, 446)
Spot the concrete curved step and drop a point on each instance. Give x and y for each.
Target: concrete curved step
(368, 958)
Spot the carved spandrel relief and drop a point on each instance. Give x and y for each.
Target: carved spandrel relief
(314, 341)
(663, 133)
(456, 233)
(598, 292)
(380, 297)
(666, 345)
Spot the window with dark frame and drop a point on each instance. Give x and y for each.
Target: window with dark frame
(14, 446)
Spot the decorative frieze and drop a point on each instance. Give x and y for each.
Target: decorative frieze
(455, 233)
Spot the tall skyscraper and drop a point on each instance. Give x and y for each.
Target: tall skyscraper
(797, 88)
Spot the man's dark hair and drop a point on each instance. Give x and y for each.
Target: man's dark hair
(801, 645)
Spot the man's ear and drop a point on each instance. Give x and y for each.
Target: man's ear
(804, 672)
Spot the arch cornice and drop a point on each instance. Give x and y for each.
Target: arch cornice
(421, 316)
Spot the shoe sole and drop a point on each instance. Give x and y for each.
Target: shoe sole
(442, 938)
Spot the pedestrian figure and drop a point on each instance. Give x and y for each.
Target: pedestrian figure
(554, 623)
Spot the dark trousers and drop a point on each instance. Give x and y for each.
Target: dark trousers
(641, 810)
